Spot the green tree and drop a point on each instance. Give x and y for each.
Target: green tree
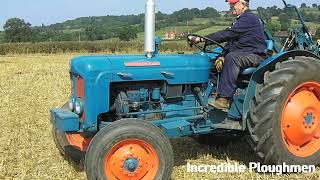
(314, 5)
(310, 17)
(209, 13)
(182, 15)
(127, 33)
(1, 37)
(285, 21)
(303, 5)
(317, 34)
(17, 30)
(90, 31)
(264, 14)
(273, 26)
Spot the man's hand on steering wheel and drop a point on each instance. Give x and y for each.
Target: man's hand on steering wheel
(194, 40)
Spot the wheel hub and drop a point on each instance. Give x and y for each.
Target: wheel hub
(131, 164)
(131, 159)
(300, 120)
(308, 118)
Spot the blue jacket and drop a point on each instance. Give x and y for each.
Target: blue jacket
(245, 35)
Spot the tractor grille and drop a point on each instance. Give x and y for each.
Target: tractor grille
(78, 91)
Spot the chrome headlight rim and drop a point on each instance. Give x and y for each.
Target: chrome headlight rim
(71, 103)
(78, 106)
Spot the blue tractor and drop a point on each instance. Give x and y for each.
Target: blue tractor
(124, 109)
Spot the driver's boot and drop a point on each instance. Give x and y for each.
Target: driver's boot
(220, 103)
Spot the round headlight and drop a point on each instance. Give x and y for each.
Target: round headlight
(78, 106)
(71, 103)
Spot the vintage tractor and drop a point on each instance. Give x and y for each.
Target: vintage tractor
(124, 108)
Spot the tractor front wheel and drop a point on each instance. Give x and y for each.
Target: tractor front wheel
(129, 149)
(284, 118)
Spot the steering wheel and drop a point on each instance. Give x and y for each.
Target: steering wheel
(204, 47)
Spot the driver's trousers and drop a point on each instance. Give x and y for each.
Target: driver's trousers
(233, 63)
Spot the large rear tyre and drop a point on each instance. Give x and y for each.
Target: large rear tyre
(284, 120)
(129, 149)
(72, 146)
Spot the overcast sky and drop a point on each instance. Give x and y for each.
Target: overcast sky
(48, 12)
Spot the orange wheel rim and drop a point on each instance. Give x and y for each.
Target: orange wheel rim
(77, 141)
(300, 120)
(131, 159)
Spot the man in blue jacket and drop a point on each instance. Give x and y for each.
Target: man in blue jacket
(245, 48)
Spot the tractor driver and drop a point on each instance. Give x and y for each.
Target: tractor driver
(245, 48)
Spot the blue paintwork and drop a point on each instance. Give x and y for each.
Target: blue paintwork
(131, 164)
(99, 71)
(64, 120)
(308, 118)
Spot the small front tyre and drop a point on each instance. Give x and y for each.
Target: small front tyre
(129, 149)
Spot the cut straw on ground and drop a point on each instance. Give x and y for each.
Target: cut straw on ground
(30, 85)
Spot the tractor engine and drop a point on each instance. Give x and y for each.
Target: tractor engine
(144, 99)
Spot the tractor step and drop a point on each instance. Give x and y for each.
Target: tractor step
(228, 124)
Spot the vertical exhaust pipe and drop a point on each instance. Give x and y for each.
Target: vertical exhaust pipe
(149, 28)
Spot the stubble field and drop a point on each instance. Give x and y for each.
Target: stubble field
(30, 85)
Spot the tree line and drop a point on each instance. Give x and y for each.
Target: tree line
(96, 28)
(126, 27)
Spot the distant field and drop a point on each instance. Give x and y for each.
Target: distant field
(32, 84)
(211, 30)
(200, 21)
(312, 10)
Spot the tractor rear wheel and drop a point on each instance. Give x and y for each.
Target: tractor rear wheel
(284, 121)
(129, 149)
(71, 145)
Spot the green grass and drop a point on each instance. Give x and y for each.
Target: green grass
(199, 21)
(211, 30)
(313, 25)
(72, 30)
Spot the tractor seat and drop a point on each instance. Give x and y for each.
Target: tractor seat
(268, 51)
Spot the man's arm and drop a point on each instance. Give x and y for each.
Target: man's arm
(238, 28)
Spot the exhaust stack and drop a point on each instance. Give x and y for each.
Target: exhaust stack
(149, 28)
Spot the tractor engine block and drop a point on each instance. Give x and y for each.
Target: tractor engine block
(137, 97)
